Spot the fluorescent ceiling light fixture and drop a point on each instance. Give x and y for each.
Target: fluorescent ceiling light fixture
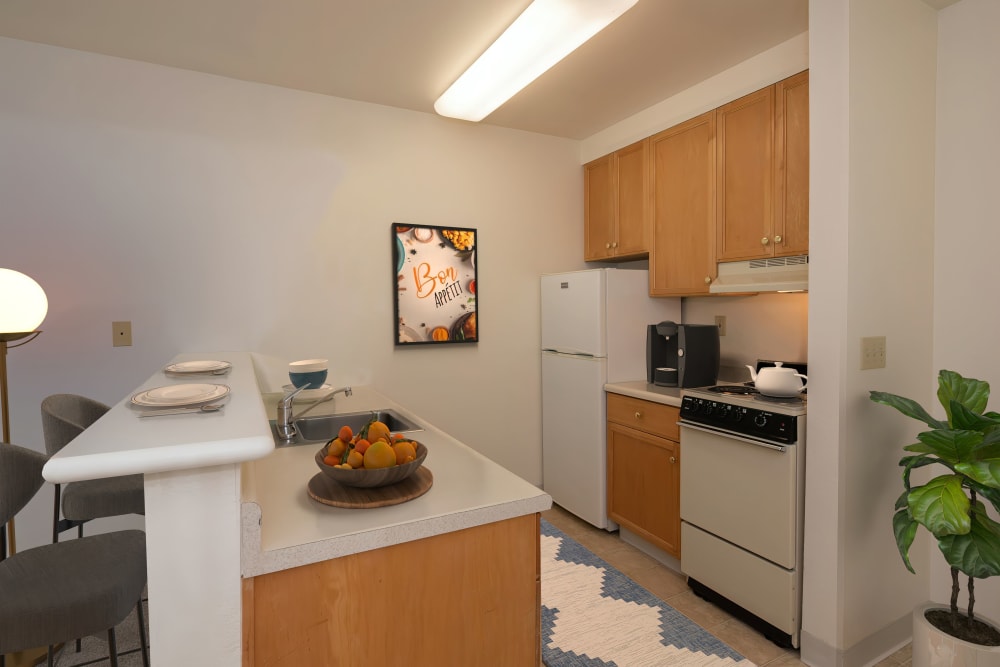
(545, 33)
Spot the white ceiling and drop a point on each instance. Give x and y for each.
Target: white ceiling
(405, 53)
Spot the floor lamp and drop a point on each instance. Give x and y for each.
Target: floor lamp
(22, 308)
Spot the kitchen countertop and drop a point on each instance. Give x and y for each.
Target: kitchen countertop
(648, 392)
(282, 527)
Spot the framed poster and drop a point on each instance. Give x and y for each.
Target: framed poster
(436, 290)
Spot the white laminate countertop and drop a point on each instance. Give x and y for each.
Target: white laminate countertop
(648, 392)
(122, 443)
(283, 527)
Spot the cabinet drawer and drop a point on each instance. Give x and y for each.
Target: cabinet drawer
(647, 416)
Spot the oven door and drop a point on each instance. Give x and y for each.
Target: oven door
(742, 491)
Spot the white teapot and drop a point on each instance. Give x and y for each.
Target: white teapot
(778, 381)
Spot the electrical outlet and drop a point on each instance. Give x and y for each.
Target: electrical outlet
(720, 321)
(872, 352)
(122, 334)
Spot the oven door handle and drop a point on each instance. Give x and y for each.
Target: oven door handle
(733, 436)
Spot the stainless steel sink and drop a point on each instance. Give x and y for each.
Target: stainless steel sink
(322, 428)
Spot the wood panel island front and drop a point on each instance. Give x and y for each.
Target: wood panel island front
(246, 569)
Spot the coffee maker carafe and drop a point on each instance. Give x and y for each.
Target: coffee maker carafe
(682, 355)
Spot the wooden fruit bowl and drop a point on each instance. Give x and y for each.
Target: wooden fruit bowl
(371, 478)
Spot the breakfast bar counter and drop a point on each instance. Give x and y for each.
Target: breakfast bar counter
(240, 558)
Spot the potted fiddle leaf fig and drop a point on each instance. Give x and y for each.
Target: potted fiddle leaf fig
(951, 506)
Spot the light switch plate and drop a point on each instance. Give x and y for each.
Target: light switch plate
(872, 352)
(122, 334)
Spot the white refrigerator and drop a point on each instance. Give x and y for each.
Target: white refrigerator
(593, 332)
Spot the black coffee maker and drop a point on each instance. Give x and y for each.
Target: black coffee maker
(682, 355)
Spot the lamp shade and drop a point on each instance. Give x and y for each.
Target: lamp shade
(22, 302)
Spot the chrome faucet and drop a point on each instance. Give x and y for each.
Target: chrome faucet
(283, 423)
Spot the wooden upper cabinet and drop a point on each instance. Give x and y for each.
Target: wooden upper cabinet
(745, 145)
(791, 150)
(615, 205)
(599, 207)
(763, 173)
(682, 180)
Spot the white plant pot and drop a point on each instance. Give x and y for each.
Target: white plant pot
(933, 648)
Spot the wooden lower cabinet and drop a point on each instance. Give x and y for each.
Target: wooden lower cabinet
(471, 597)
(644, 465)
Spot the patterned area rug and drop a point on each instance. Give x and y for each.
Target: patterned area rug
(595, 616)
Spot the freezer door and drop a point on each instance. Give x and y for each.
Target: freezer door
(573, 312)
(574, 456)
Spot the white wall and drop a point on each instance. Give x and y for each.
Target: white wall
(890, 293)
(764, 326)
(872, 86)
(222, 215)
(775, 64)
(966, 270)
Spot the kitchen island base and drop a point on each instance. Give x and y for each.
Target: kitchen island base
(470, 597)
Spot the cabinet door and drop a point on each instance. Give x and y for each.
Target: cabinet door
(599, 208)
(682, 181)
(791, 149)
(633, 178)
(746, 177)
(644, 486)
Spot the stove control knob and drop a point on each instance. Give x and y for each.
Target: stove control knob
(760, 420)
(709, 408)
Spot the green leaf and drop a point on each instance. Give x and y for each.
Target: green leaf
(905, 530)
(986, 473)
(973, 394)
(992, 495)
(908, 463)
(901, 501)
(965, 419)
(950, 445)
(907, 406)
(941, 506)
(976, 554)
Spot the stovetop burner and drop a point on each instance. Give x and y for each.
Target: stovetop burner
(734, 390)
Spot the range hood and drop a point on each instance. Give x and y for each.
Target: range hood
(776, 274)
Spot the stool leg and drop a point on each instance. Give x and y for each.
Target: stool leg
(50, 663)
(112, 647)
(142, 634)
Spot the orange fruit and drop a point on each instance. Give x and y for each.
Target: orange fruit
(378, 431)
(361, 445)
(332, 460)
(380, 455)
(404, 450)
(345, 433)
(397, 437)
(355, 459)
(439, 334)
(336, 448)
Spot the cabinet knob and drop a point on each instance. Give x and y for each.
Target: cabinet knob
(673, 459)
(777, 239)
(708, 280)
(615, 244)
(638, 415)
(607, 246)
(764, 241)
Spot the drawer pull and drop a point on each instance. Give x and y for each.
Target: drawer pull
(638, 415)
